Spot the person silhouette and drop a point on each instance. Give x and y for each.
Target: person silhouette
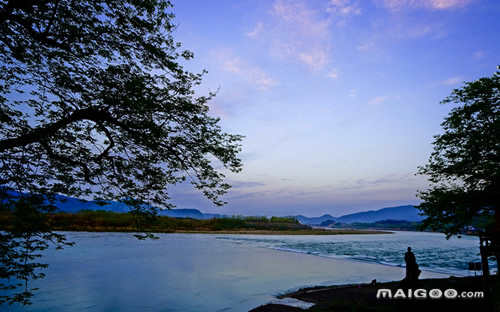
(412, 270)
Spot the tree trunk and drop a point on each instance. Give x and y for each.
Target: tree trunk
(483, 243)
(496, 238)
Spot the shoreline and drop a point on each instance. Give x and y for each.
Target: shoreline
(236, 232)
(363, 297)
(289, 232)
(108, 221)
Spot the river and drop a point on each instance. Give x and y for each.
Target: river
(200, 272)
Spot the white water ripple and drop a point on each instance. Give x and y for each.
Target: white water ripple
(432, 250)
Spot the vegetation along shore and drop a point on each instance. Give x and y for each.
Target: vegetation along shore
(106, 221)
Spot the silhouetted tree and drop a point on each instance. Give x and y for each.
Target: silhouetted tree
(464, 168)
(95, 104)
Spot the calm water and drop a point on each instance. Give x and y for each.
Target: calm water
(185, 272)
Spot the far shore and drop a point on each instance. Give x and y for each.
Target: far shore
(238, 232)
(108, 221)
(292, 232)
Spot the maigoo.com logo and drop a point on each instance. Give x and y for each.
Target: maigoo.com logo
(420, 293)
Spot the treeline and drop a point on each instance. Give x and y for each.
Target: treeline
(101, 220)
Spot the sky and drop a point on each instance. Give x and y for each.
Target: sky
(338, 100)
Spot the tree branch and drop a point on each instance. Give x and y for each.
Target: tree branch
(110, 145)
(42, 133)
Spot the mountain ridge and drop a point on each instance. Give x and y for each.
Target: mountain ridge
(404, 213)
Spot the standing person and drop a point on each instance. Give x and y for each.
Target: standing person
(412, 270)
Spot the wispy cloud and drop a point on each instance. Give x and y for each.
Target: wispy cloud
(308, 33)
(446, 4)
(397, 5)
(233, 65)
(417, 28)
(263, 81)
(452, 81)
(253, 74)
(366, 46)
(333, 74)
(479, 54)
(296, 32)
(419, 31)
(344, 7)
(398, 28)
(386, 181)
(244, 184)
(256, 31)
(314, 59)
(378, 100)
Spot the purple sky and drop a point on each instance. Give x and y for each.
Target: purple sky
(338, 100)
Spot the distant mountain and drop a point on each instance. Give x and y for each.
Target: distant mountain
(314, 220)
(406, 213)
(403, 213)
(328, 223)
(190, 213)
(73, 205)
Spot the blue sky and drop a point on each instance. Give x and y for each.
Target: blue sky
(338, 100)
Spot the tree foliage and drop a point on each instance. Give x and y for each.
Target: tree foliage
(464, 168)
(95, 103)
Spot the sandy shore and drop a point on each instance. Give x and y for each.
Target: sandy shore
(363, 297)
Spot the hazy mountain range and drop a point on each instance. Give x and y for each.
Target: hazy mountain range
(69, 204)
(406, 213)
(73, 205)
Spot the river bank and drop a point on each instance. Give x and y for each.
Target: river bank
(473, 294)
(91, 229)
(107, 221)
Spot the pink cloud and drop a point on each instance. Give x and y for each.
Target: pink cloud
(378, 100)
(452, 81)
(447, 4)
(396, 5)
(333, 74)
(366, 46)
(344, 7)
(256, 31)
(297, 32)
(253, 74)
